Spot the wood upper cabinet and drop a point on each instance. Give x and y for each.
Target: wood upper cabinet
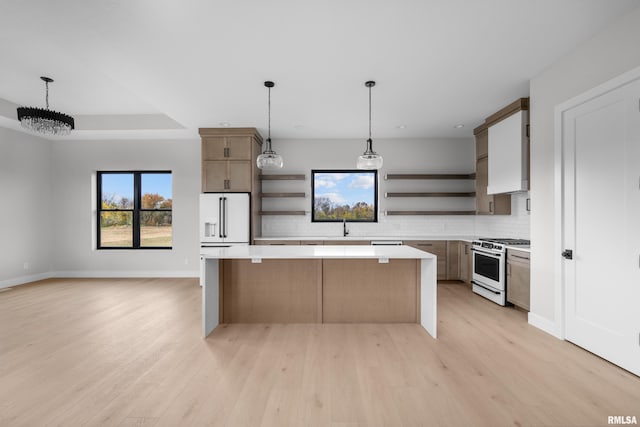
(227, 148)
(486, 204)
(226, 176)
(228, 157)
(518, 278)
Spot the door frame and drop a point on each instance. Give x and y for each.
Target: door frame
(559, 214)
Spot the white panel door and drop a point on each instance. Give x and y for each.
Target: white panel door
(601, 173)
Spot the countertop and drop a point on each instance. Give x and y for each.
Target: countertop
(311, 252)
(519, 248)
(403, 238)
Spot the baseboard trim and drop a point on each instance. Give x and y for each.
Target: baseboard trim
(16, 281)
(126, 274)
(545, 325)
(21, 280)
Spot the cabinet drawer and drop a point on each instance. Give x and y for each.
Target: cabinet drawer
(518, 256)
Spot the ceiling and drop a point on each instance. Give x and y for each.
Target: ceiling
(140, 68)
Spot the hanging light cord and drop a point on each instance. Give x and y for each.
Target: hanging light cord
(369, 113)
(47, 93)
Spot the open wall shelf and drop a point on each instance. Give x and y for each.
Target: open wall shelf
(289, 177)
(432, 194)
(457, 187)
(442, 176)
(430, 212)
(282, 213)
(282, 194)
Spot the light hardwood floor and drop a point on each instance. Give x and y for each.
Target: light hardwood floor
(129, 352)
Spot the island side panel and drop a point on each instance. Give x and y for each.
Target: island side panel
(366, 291)
(209, 281)
(429, 295)
(272, 291)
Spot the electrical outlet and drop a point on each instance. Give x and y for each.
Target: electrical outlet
(186, 261)
(25, 265)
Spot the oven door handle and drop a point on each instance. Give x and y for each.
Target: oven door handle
(473, 282)
(490, 254)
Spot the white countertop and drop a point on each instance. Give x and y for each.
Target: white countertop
(519, 248)
(463, 238)
(319, 252)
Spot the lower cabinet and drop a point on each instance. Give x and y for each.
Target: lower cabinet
(518, 278)
(436, 247)
(454, 256)
(466, 262)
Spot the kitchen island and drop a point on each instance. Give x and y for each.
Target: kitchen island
(318, 284)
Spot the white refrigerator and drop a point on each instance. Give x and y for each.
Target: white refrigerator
(224, 219)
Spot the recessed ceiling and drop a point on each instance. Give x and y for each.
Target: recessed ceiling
(201, 63)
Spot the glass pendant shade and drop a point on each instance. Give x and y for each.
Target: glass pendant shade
(369, 159)
(269, 159)
(44, 120)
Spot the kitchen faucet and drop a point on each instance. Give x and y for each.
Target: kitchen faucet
(345, 232)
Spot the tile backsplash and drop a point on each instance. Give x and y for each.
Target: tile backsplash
(515, 225)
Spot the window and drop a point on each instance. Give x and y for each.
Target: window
(135, 210)
(339, 195)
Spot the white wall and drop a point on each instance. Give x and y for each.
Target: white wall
(74, 164)
(433, 155)
(26, 211)
(610, 53)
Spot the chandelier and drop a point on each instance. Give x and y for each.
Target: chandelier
(44, 120)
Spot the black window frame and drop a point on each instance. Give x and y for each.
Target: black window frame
(375, 198)
(136, 210)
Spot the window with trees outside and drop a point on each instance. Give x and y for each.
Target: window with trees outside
(344, 195)
(134, 210)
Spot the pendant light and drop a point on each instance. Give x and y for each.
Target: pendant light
(43, 120)
(269, 159)
(369, 159)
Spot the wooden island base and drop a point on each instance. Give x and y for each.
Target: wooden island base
(320, 291)
(318, 284)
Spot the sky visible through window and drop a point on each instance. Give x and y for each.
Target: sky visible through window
(120, 185)
(345, 188)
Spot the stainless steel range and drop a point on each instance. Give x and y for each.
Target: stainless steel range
(489, 267)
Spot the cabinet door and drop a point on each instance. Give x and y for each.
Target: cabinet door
(484, 202)
(518, 279)
(239, 147)
(214, 176)
(239, 175)
(213, 148)
(465, 262)
(436, 247)
(453, 260)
